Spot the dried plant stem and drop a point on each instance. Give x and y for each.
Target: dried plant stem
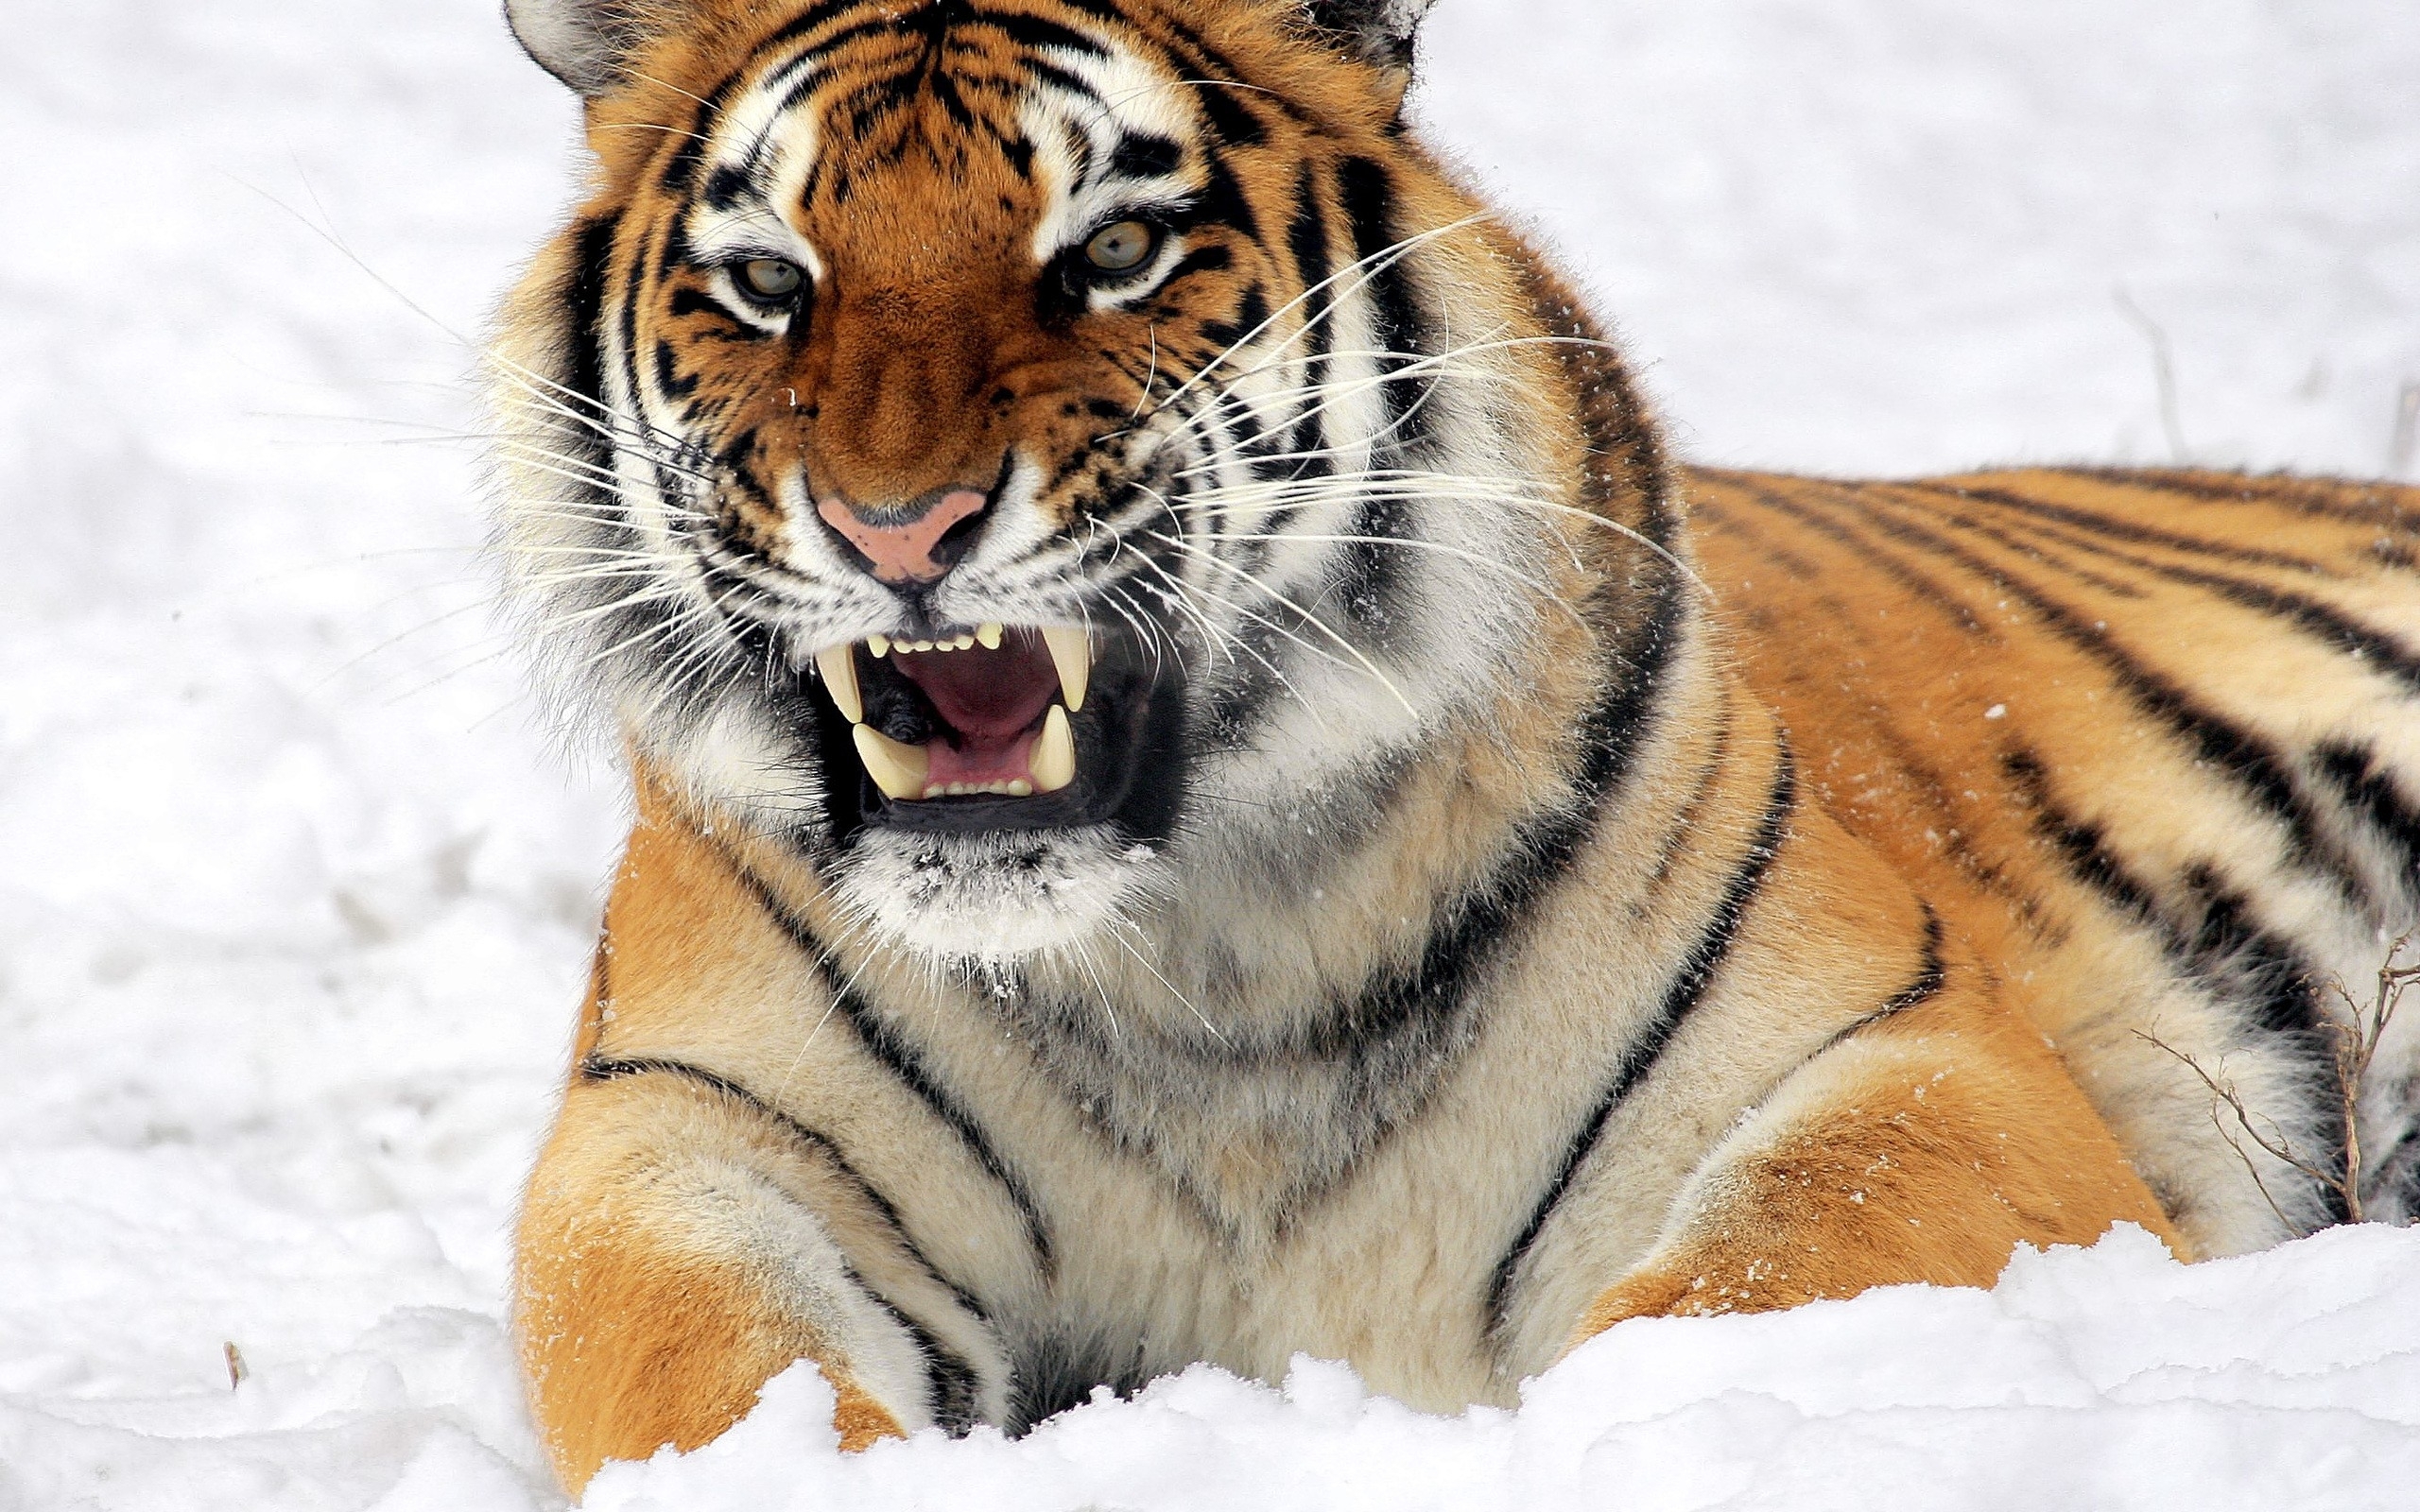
(2354, 1042)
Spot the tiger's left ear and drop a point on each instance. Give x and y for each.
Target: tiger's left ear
(1377, 31)
(583, 43)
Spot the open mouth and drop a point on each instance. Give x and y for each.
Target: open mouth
(1000, 728)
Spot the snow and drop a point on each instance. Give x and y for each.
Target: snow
(296, 891)
(2106, 1378)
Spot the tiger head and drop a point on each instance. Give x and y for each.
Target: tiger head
(1035, 455)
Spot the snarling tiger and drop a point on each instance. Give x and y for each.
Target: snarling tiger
(1207, 787)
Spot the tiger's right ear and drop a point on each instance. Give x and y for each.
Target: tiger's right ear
(1377, 31)
(583, 43)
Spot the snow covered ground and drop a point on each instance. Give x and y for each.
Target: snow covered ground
(295, 895)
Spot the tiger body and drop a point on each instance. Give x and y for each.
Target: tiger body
(1452, 899)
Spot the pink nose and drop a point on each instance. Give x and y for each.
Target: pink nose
(904, 553)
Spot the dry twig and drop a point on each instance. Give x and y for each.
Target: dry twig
(2355, 1041)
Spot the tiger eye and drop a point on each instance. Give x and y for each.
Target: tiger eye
(771, 278)
(1120, 248)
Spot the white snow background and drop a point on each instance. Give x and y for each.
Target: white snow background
(295, 894)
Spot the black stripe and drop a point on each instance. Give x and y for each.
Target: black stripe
(1252, 312)
(2084, 846)
(957, 1390)
(1222, 201)
(585, 359)
(808, 21)
(600, 1068)
(1144, 155)
(1919, 586)
(901, 1060)
(1215, 258)
(1686, 991)
(2368, 785)
(634, 290)
(1371, 573)
(687, 157)
(1932, 975)
(1396, 319)
(2378, 505)
(2127, 531)
(1306, 238)
(726, 186)
(1032, 32)
(889, 28)
(2208, 934)
(954, 1385)
(2282, 989)
(670, 381)
(2245, 757)
(1474, 930)
(2321, 621)
(1231, 122)
(2028, 542)
(1060, 78)
(689, 301)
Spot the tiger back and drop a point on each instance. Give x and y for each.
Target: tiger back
(2143, 735)
(1207, 789)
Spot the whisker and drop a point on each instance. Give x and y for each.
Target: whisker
(1309, 618)
(651, 125)
(1141, 961)
(1500, 569)
(1318, 716)
(1376, 264)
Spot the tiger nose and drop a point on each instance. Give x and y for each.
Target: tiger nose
(907, 546)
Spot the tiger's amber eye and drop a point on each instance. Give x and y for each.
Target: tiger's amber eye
(770, 278)
(1120, 248)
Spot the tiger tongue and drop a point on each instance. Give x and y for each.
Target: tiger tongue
(991, 700)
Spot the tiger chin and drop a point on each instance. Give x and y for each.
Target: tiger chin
(1208, 789)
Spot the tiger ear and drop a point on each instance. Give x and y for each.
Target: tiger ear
(1375, 31)
(583, 43)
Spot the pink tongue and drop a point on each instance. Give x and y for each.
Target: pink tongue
(992, 702)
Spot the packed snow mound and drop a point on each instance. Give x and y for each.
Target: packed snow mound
(2106, 1378)
(296, 895)
(2112, 1377)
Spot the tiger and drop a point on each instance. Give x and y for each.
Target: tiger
(1208, 788)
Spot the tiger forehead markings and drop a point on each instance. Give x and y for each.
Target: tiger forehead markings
(1206, 790)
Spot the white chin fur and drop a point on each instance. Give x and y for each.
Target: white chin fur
(994, 898)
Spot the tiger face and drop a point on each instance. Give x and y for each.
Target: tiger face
(1014, 450)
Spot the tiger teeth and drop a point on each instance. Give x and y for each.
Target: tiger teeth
(839, 668)
(1053, 762)
(898, 769)
(1071, 650)
(882, 646)
(903, 771)
(1020, 788)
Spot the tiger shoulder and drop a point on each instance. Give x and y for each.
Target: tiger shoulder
(1209, 789)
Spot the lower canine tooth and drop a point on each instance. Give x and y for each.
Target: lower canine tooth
(1054, 753)
(899, 770)
(839, 668)
(1072, 650)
